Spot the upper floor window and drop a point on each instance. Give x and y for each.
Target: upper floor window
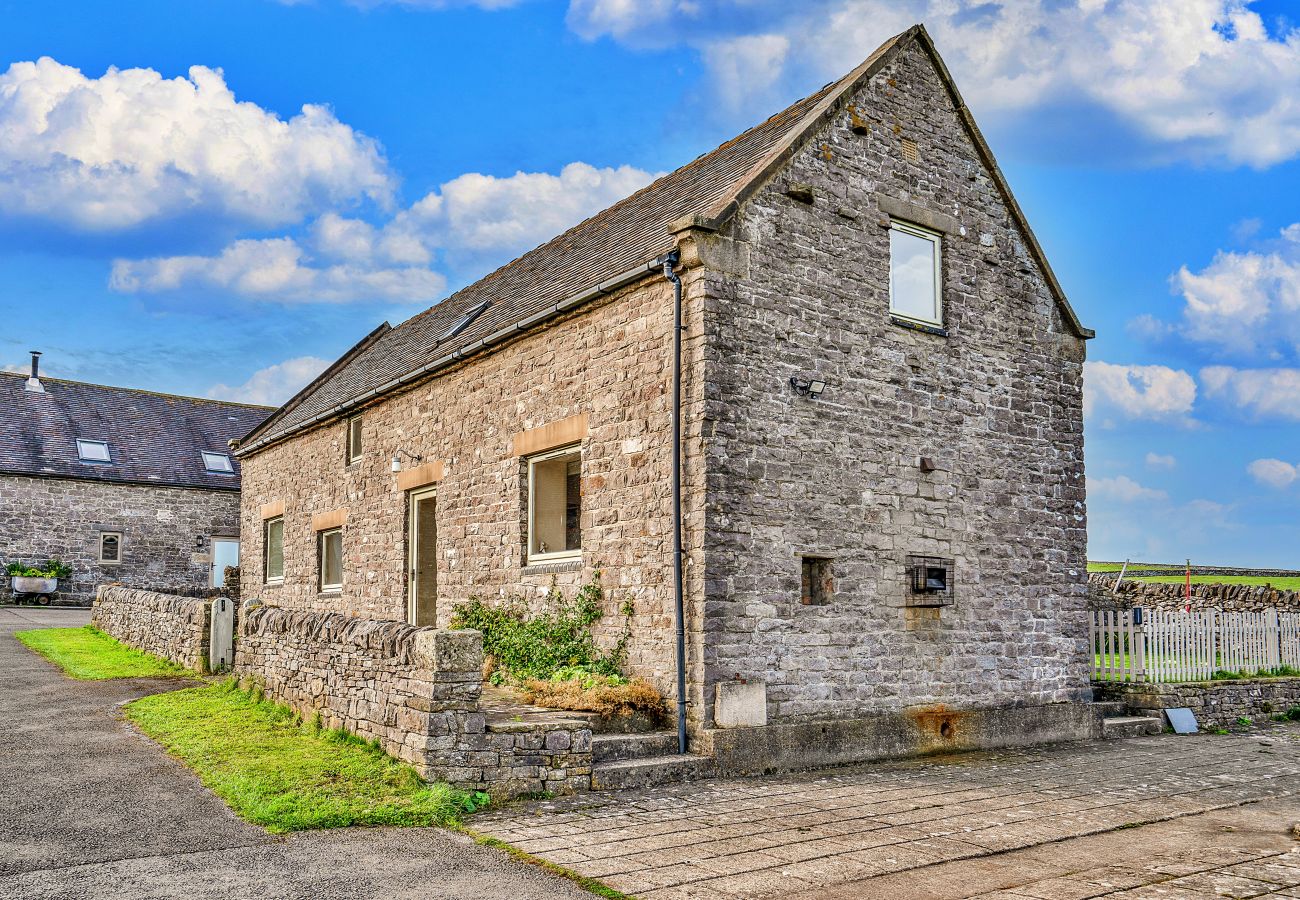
(217, 462)
(354, 439)
(555, 505)
(93, 451)
(915, 280)
(110, 547)
(273, 550)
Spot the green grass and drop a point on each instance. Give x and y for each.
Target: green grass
(1135, 567)
(276, 771)
(1282, 583)
(87, 653)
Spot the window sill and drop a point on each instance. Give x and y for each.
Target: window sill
(913, 325)
(273, 582)
(550, 566)
(326, 593)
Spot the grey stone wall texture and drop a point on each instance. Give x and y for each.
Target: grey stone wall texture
(415, 690)
(175, 628)
(1227, 597)
(62, 518)
(792, 288)
(1217, 704)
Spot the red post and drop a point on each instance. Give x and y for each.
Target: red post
(1189, 586)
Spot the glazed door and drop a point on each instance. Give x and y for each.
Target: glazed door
(422, 544)
(225, 552)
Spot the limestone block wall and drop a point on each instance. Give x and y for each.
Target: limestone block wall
(166, 532)
(175, 628)
(1227, 597)
(1217, 704)
(995, 402)
(415, 690)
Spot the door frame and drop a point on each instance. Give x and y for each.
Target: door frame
(413, 499)
(212, 555)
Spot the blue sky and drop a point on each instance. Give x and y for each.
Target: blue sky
(218, 198)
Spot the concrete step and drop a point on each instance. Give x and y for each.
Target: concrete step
(616, 747)
(626, 774)
(1110, 708)
(1131, 726)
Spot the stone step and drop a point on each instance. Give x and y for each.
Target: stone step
(1131, 726)
(639, 773)
(1110, 708)
(616, 747)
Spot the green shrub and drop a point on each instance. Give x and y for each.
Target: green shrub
(1292, 714)
(558, 641)
(51, 569)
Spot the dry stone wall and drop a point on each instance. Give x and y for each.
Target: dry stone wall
(415, 691)
(1163, 596)
(175, 628)
(1217, 704)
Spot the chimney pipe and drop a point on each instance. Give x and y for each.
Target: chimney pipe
(34, 382)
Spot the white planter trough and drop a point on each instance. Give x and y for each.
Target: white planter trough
(27, 584)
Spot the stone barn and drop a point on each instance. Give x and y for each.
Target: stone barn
(121, 485)
(876, 393)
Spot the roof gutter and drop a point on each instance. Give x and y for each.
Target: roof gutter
(608, 286)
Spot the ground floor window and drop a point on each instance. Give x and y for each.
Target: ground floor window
(110, 547)
(555, 505)
(330, 560)
(273, 550)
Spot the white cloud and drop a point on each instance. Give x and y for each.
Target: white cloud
(1273, 472)
(1248, 302)
(474, 220)
(1263, 393)
(1138, 392)
(1203, 78)
(1123, 489)
(274, 384)
(130, 148)
(1161, 461)
(746, 66)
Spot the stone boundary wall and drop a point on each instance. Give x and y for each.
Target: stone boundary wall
(1227, 597)
(1217, 704)
(166, 625)
(415, 691)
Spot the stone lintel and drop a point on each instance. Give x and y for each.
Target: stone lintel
(272, 509)
(323, 521)
(428, 473)
(551, 435)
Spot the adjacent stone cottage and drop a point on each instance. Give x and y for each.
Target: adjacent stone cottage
(882, 494)
(122, 485)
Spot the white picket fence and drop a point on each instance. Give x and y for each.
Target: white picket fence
(1151, 645)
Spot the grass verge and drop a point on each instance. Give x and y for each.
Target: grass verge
(282, 773)
(609, 697)
(89, 654)
(590, 884)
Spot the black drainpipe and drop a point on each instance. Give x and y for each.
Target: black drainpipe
(669, 261)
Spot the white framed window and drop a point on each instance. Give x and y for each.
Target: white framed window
(915, 273)
(110, 548)
(273, 550)
(218, 463)
(93, 451)
(329, 557)
(354, 439)
(555, 505)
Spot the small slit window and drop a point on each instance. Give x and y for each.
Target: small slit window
(915, 265)
(555, 505)
(329, 546)
(218, 463)
(354, 439)
(817, 585)
(110, 547)
(273, 550)
(93, 451)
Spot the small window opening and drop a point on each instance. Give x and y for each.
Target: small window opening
(93, 451)
(330, 560)
(110, 547)
(273, 550)
(818, 584)
(217, 462)
(915, 282)
(555, 505)
(930, 581)
(354, 439)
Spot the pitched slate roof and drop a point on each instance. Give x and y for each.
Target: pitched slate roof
(152, 438)
(607, 249)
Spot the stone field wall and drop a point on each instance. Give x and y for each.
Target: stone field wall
(1227, 597)
(1217, 704)
(175, 628)
(415, 690)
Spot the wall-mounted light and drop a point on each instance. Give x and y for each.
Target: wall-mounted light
(397, 458)
(813, 387)
(198, 543)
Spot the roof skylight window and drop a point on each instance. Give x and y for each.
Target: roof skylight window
(93, 451)
(464, 321)
(217, 462)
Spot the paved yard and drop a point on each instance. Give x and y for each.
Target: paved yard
(93, 809)
(834, 833)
